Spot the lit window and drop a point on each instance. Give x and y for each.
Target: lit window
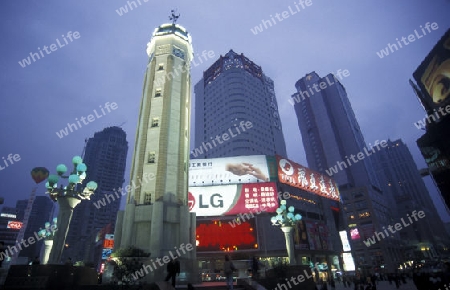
(151, 157)
(155, 122)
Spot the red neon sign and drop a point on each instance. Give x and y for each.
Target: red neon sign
(14, 225)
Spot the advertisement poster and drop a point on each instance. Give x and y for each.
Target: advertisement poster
(301, 236)
(228, 170)
(108, 242)
(233, 199)
(313, 235)
(354, 234)
(345, 242)
(296, 175)
(433, 74)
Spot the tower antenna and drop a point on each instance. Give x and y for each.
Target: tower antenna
(84, 148)
(173, 17)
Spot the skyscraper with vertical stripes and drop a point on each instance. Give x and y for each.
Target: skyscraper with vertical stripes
(234, 91)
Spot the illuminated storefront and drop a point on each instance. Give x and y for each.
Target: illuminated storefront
(233, 213)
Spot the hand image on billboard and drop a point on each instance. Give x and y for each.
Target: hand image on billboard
(440, 83)
(244, 169)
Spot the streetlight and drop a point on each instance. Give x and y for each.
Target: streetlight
(68, 197)
(287, 220)
(48, 233)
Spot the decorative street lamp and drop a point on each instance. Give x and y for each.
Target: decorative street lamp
(68, 197)
(287, 220)
(48, 233)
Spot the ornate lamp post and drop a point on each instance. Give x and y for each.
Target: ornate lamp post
(287, 220)
(48, 233)
(68, 197)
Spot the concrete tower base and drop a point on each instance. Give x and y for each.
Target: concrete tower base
(164, 229)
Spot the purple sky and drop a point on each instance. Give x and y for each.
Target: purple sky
(107, 63)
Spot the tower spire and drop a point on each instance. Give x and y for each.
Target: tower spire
(173, 17)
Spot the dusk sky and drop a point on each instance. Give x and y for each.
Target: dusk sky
(106, 60)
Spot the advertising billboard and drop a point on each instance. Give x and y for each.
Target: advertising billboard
(106, 253)
(349, 264)
(14, 225)
(228, 170)
(301, 236)
(433, 74)
(345, 243)
(318, 236)
(225, 235)
(233, 199)
(299, 176)
(354, 234)
(108, 242)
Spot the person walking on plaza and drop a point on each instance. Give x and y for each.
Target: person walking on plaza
(332, 284)
(173, 269)
(228, 269)
(255, 267)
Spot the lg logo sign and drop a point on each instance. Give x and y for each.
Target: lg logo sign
(215, 200)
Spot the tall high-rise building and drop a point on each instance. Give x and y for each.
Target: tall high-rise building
(105, 156)
(156, 217)
(236, 111)
(400, 178)
(331, 136)
(41, 212)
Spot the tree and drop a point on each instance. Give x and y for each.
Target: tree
(126, 261)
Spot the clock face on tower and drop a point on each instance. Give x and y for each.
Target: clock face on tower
(178, 52)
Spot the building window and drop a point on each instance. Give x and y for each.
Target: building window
(155, 122)
(151, 157)
(158, 93)
(147, 198)
(161, 66)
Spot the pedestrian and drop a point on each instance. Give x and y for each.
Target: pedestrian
(228, 268)
(173, 269)
(255, 268)
(332, 284)
(397, 281)
(446, 273)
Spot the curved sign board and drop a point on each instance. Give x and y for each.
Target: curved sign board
(299, 176)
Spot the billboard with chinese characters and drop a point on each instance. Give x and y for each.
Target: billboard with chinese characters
(299, 176)
(228, 170)
(14, 225)
(222, 235)
(233, 199)
(433, 74)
